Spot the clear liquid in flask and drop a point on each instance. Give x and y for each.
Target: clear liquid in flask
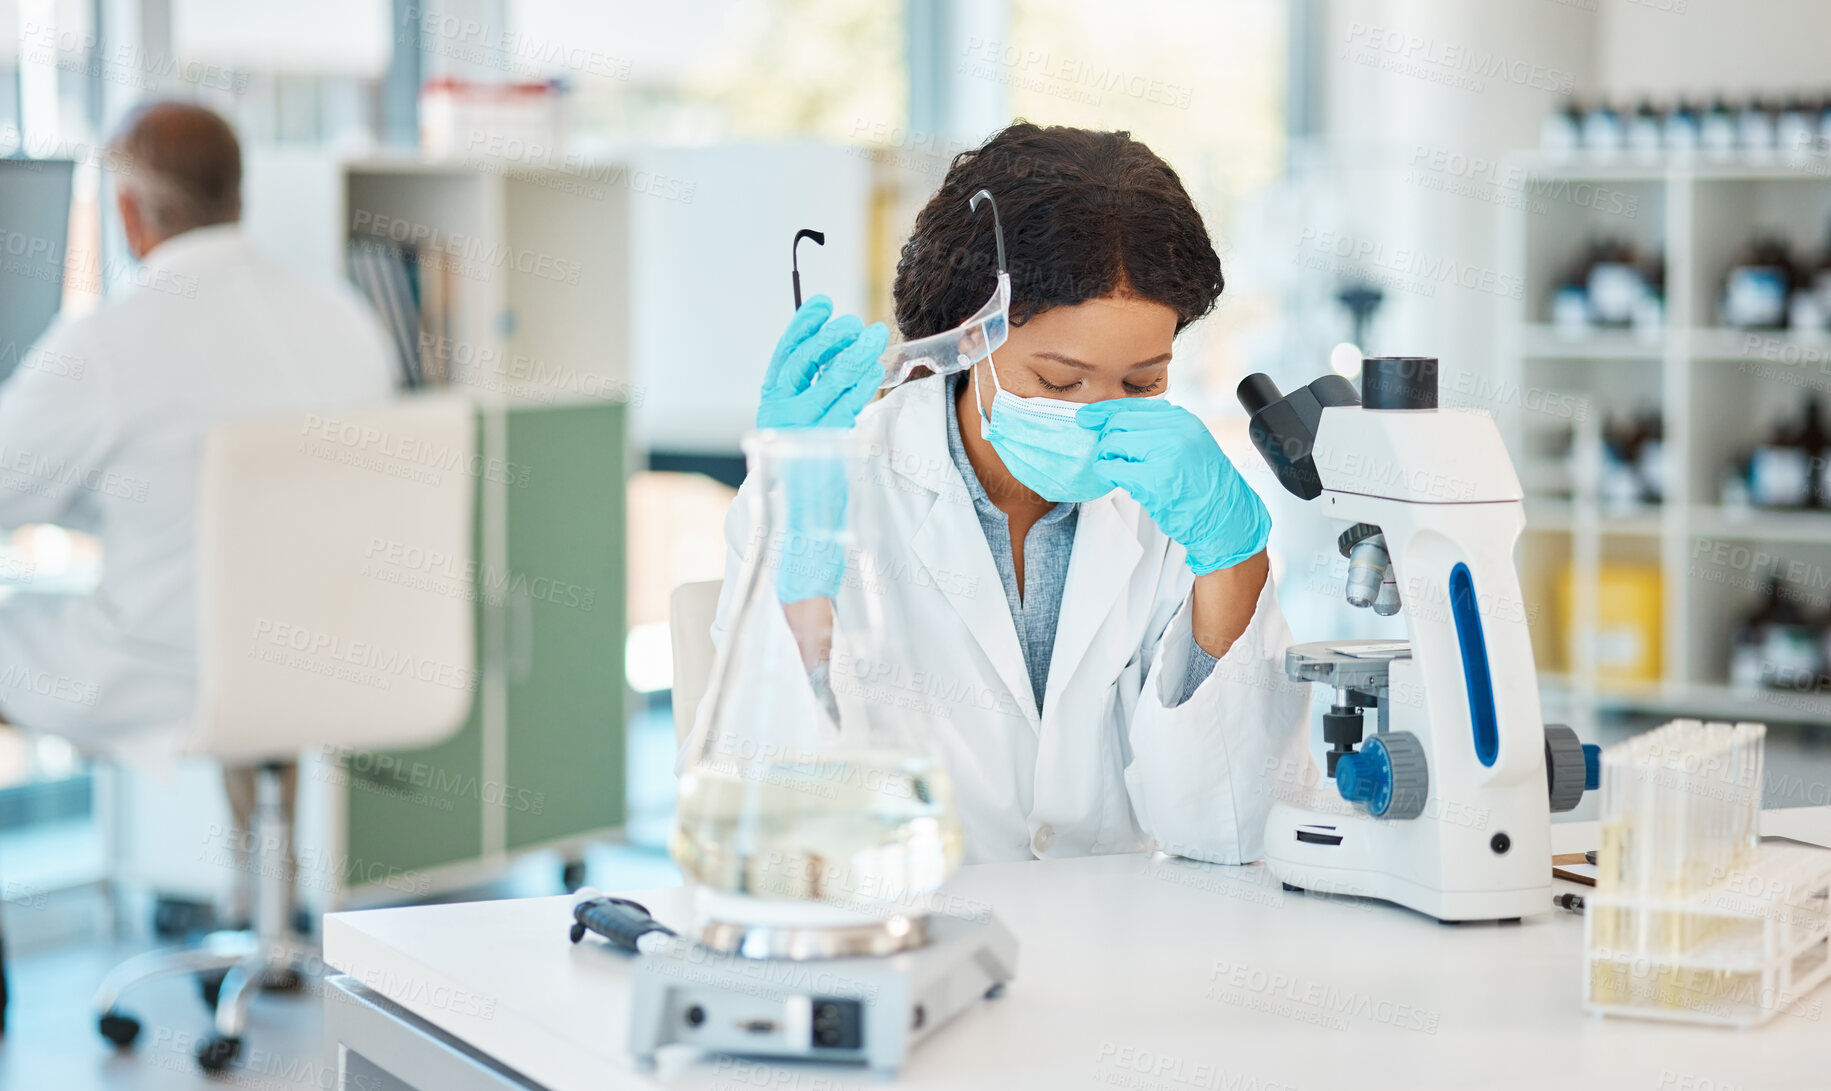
(856, 828)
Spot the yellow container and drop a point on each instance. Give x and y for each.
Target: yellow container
(1626, 644)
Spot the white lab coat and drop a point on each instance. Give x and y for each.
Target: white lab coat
(101, 429)
(1108, 766)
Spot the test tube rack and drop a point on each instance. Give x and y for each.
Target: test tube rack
(1694, 919)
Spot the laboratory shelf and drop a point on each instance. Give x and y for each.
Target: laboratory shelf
(1759, 524)
(1716, 390)
(1778, 347)
(1697, 699)
(1546, 342)
(1560, 515)
(1806, 166)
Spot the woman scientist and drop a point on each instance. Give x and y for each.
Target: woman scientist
(1124, 688)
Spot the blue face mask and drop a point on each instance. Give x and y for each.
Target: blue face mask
(1040, 443)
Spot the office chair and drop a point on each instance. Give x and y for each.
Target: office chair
(315, 631)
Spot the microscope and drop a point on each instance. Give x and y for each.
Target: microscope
(1446, 807)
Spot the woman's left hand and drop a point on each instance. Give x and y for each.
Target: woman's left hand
(1165, 457)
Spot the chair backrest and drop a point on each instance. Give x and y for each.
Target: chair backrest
(691, 610)
(335, 584)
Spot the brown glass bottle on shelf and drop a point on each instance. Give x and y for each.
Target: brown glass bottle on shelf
(1780, 470)
(1620, 486)
(1814, 441)
(1775, 647)
(1615, 283)
(1650, 457)
(1820, 283)
(1758, 286)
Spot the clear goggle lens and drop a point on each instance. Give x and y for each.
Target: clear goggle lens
(956, 349)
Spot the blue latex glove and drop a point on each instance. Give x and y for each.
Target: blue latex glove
(821, 375)
(822, 372)
(812, 561)
(1166, 458)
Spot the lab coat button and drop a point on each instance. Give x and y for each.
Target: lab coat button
(1045, 833)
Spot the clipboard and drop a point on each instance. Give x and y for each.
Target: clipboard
(1576, 867)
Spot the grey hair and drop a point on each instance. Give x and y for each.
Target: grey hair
(184, 166)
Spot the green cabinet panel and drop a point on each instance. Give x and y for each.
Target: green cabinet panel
(411, 810)
(416, 809)
(566, 742)
(554, 676)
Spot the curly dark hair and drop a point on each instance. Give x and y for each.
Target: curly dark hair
(1085, 213)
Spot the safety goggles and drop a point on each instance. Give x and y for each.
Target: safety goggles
(951, 350)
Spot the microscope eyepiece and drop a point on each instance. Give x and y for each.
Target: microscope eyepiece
(1399, 382)
(1257, 391)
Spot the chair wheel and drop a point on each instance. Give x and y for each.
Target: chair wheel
(119, 1028)
(215, 1052)
(176, 918)
(285, 979)
(210, 986)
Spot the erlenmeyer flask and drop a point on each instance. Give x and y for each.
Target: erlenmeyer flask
(806, 811)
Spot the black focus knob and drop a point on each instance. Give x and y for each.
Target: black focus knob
(1399, 382)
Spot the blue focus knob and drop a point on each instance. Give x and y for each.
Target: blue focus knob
(1387, 775)
(1361, 776)
(1592, 767)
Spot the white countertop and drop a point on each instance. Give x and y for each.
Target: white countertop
(1141, 972)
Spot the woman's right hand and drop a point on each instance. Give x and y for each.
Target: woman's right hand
(822, 372)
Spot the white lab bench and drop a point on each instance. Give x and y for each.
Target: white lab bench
(1134, 971)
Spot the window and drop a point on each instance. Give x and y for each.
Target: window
(1157, 72)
